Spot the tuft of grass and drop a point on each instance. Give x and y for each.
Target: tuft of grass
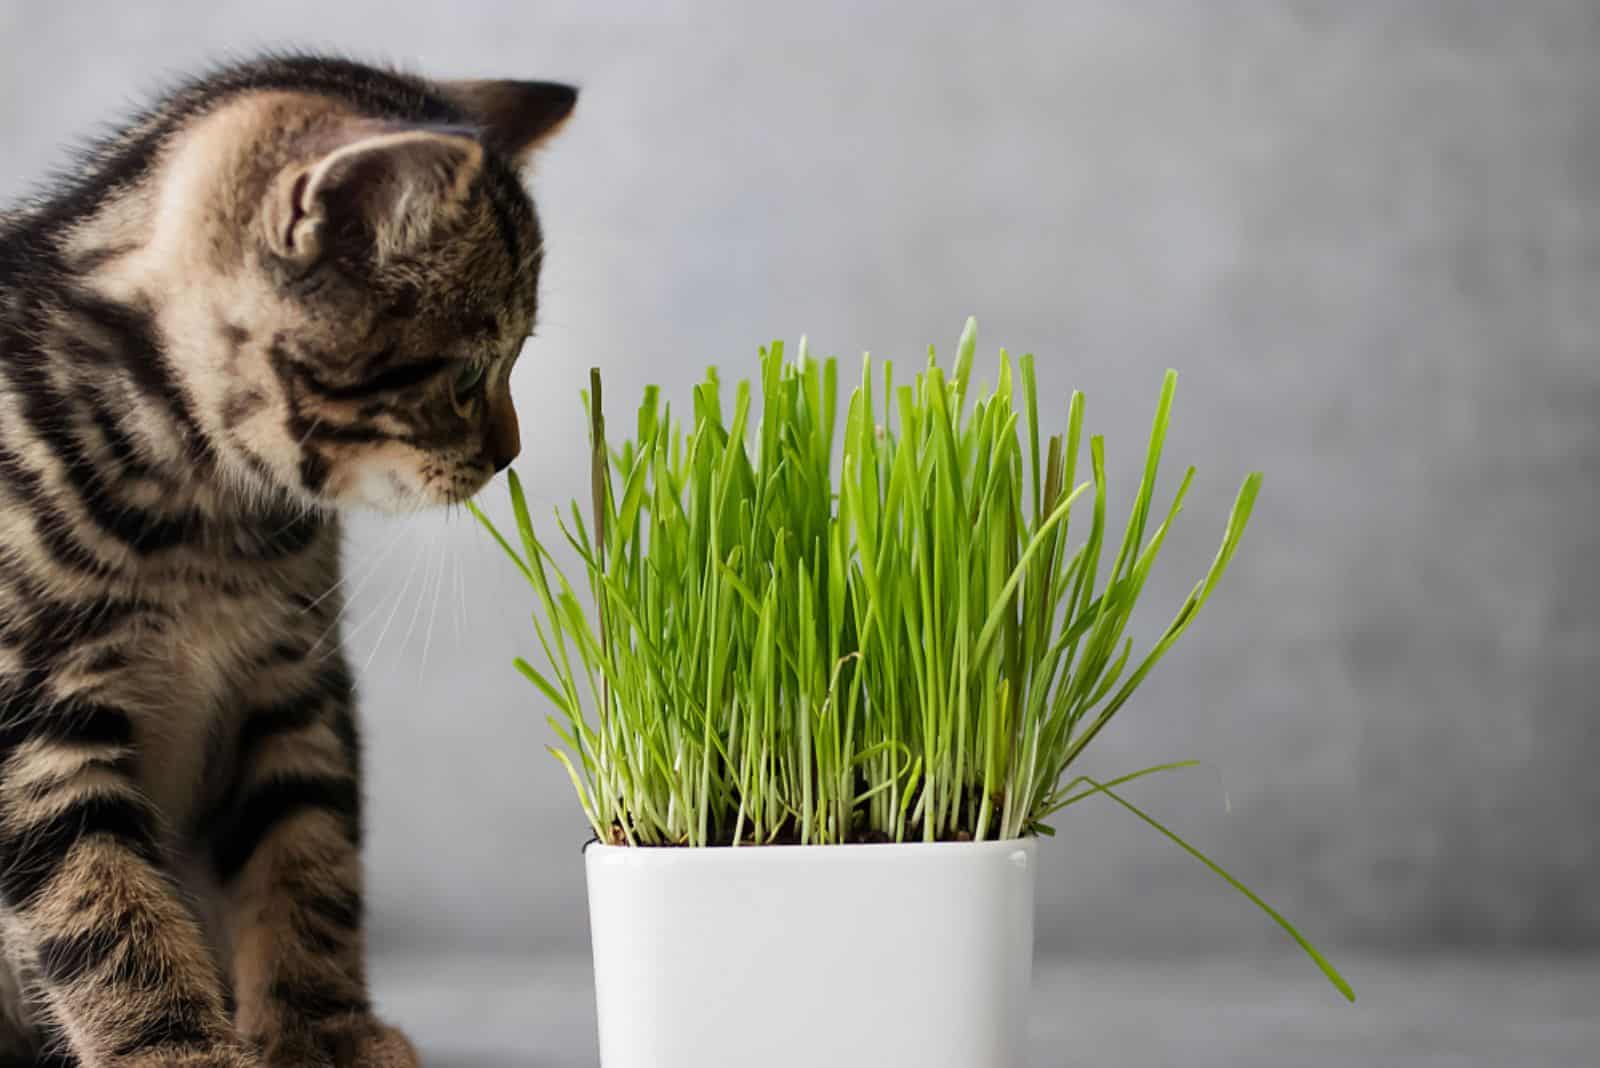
(813, 625)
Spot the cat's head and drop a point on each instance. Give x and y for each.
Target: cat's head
(361, 282)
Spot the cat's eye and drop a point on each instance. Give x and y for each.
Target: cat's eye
(468, 377)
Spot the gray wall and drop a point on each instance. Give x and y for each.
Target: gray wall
(1368, 234)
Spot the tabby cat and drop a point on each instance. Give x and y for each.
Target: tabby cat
(293, 285)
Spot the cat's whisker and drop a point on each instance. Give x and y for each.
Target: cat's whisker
(453, 557)
(389, 546)
(312, 429)
(335, 630)
(433, 612)
(411, 573)
(460, 597)
(425, 554)
(361, 584)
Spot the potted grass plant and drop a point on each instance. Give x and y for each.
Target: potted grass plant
(831, 684)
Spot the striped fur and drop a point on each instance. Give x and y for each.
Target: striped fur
(292, 285)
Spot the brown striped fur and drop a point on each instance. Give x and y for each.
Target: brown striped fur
(293, 285)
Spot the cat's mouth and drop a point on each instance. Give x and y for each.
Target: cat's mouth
(464, 489)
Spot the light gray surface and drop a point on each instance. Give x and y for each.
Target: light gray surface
(1367, 233)
(1220, 1012)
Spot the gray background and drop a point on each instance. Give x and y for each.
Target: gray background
(1367, 234)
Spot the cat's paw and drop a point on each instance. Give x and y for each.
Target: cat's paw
(369, 1043)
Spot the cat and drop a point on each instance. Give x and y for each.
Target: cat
(294, 285)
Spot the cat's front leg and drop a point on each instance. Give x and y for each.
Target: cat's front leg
(287, 851)
(123, 969)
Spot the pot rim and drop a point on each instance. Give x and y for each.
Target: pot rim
(782, 854)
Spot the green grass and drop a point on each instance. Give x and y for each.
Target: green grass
(815, 625)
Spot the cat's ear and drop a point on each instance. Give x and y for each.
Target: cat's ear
(387, 186)
(515, 117)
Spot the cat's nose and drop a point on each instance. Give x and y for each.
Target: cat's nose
(505, 439)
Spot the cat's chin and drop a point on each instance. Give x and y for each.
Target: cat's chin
(382, 489)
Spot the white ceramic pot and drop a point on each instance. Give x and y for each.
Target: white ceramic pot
(861, 956)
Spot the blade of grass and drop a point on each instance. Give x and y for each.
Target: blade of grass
(1311, 951)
